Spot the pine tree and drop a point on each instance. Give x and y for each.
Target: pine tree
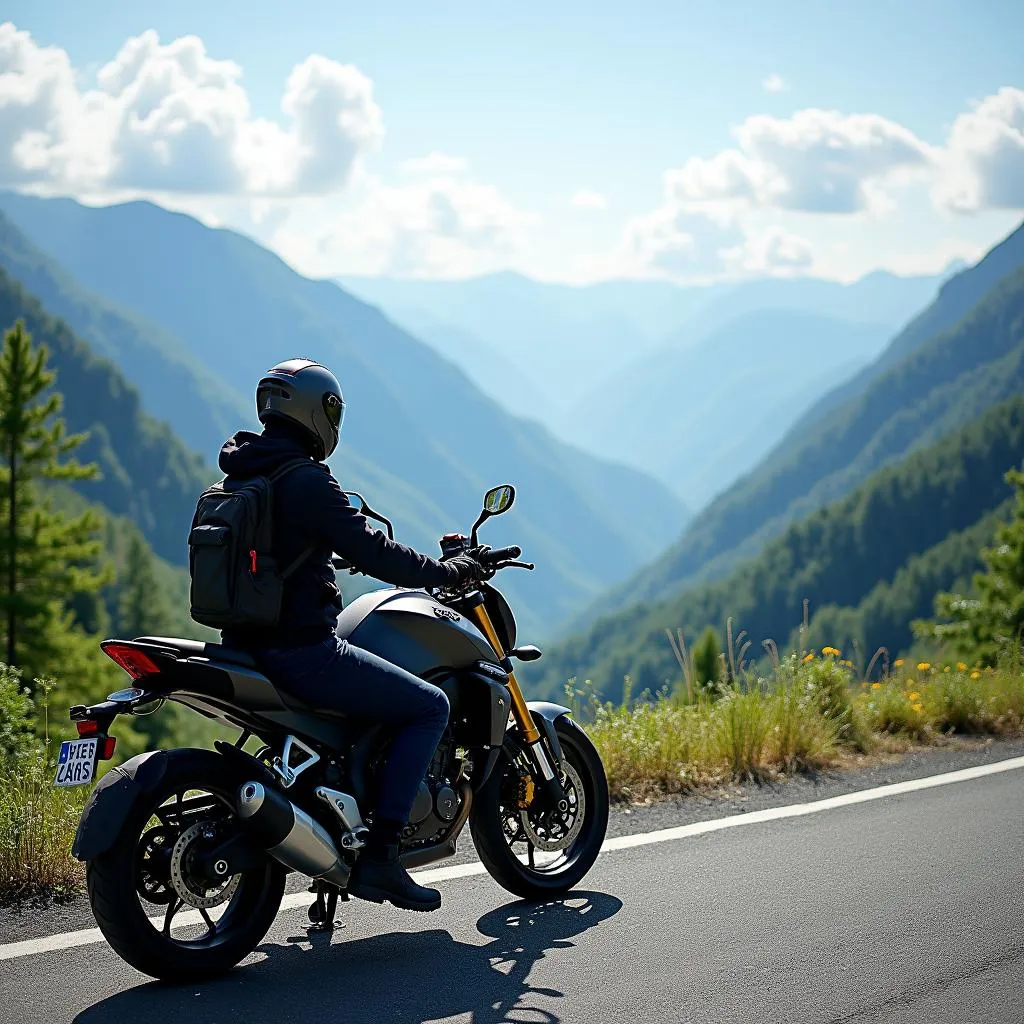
(45, 557)
(143, 608)
(986, 624)
(706, 657)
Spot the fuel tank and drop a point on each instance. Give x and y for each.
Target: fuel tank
(411, 629)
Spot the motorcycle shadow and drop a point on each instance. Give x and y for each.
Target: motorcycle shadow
(392, 978)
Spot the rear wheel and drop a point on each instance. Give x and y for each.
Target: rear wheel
(533, 851)
(155, 906)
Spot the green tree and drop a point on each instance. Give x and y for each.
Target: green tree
(143, 608)
(705, 657)
(983, 625)
(45, 557)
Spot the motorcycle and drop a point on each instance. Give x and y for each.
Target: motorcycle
(187, 851)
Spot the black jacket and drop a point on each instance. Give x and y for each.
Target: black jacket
(311, 508)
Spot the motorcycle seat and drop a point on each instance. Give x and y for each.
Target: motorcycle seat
(199, 649)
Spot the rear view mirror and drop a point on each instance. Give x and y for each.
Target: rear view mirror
(499, 499)
(496, 501)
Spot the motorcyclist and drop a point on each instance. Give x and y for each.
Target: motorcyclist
(301, 407)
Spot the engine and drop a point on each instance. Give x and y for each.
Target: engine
(437, 803)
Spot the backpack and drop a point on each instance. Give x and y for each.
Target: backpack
(235, 579)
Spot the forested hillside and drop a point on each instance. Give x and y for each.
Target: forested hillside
(168, 377)
(420, 440)
(148, 475)
(878, 556)
(942, 384)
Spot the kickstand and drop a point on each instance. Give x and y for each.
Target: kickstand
(321, 913)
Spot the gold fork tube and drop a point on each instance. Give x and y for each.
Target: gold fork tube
(520, 711)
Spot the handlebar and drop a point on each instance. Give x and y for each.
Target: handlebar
(512, 552)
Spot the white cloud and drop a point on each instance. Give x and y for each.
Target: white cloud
(773, 83)
(170, 118)
(441, 226)
(434, 163)
(819, 161)
(983, 163)
(586, 199)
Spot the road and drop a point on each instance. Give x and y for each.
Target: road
(908, 908)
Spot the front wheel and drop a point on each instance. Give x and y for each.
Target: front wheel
(155, 906)
(531, 851)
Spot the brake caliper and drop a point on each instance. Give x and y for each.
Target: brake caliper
(527, 789)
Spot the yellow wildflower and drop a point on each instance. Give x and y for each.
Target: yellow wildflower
(913, 696)
(975, 674)
(961, 667)
(917, 708)
(946, 669)
(898, 663)
(923, 666)
(876, 686)
(808, 657)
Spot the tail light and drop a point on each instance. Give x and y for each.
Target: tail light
(135, 662)
(89, 727)
(106, 748)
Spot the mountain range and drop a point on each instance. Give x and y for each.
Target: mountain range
(674, 358)
(196, 315)
(906, 436)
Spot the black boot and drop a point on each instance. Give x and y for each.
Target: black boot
(378, 875)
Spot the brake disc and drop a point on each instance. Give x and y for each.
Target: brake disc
(198, 892)
(550, 833)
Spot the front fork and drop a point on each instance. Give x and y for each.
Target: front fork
(544, 768)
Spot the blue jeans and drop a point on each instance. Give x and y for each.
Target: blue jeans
(336, 676)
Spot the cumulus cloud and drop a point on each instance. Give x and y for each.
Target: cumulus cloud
(171, 118)
(443, 225)
(818, 161)
(586, 199)
(434, 163)
(983, 162)
(773, 83)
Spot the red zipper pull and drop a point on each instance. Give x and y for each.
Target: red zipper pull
(252, 561)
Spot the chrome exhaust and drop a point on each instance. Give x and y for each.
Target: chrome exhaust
(289, 834)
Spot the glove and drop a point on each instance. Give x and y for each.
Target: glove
(464, 570)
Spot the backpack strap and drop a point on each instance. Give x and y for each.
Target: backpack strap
(287, 467)
(273, 478)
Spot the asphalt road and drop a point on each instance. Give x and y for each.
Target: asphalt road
(904, 909)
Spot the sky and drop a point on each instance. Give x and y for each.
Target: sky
(571, 142)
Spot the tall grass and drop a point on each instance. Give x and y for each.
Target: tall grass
(804, 714)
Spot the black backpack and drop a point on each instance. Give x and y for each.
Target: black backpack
(235, 579)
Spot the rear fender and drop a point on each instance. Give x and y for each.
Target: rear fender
(111, 801)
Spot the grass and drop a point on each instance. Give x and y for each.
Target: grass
(37, 828)
(809, 712)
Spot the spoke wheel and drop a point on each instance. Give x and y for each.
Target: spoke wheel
(534, 850)
(174, 914)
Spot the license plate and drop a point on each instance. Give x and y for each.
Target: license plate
(76, 764)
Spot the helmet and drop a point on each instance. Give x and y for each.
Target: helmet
(307, 394)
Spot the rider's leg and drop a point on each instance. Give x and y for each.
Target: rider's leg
(333, 675)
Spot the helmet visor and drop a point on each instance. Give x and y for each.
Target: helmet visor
(334, 409)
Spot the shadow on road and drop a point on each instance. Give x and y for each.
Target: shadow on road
(397, 978)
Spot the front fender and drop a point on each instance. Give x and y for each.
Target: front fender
(114, 796)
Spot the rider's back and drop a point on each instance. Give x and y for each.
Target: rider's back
(310, 508)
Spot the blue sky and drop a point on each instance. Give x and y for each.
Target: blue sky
(540, 102)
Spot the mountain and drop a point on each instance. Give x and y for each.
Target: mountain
(948, 379)
(565, 340)
(155, 361)
(148, 475)
(420, 440)
(697, 416)
(871, 562)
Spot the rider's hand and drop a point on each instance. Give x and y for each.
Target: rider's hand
(464, 570)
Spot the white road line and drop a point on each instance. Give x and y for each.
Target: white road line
(88, 936)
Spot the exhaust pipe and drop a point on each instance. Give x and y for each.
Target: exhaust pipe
(289, 834)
